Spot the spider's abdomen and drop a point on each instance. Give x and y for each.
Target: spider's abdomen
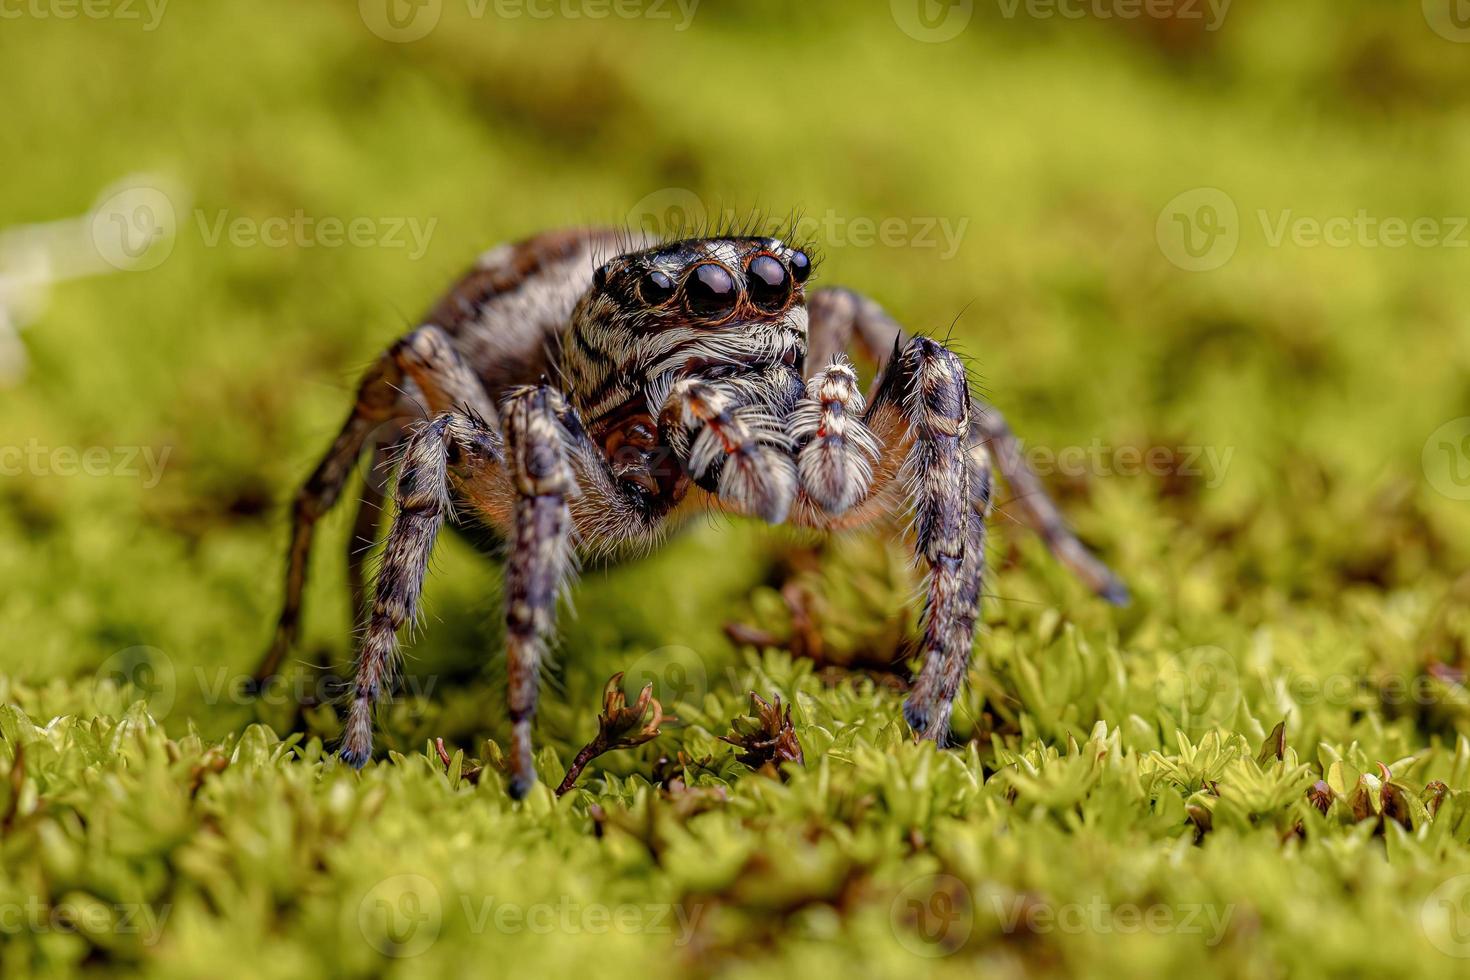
(506, 315)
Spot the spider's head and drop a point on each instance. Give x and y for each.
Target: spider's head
(727, 309)
(730, 304)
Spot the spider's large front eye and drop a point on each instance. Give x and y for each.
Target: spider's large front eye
(656, 288)
(801, 266)
(768, 284)
(710, 291)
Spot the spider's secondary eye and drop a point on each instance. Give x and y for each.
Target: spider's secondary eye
(599, 278)
(710, 290)
(655, 288)
(767, 282)
(801, 266)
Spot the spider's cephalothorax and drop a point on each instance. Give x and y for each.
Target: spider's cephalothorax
(723, 321)
(701, 372)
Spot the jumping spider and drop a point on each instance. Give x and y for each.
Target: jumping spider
(587, 390)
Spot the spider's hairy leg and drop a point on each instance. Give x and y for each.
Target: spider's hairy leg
(448, 442)
(448, 384)
(722, 436)
(423, 363)
(1039, 512)
(540, 562)
(377, 400)
(949, 533)
(840, 317)
(836, 449)
(368, 520)
(438, 380)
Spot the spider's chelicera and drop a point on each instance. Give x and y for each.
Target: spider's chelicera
(585, 392)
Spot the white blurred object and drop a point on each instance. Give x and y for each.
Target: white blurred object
(130, 228)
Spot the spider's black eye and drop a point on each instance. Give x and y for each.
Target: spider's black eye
(766, 279)
(801, 266)
(655, 288)
(599, 278)
(710, 290)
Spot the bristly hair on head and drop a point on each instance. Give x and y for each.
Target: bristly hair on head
(720, 223)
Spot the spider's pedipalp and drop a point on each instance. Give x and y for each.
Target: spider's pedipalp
(735, 448)
(836, 449)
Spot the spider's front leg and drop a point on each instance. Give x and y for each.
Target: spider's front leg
(537, 445)
(923, 398)
(466, 446)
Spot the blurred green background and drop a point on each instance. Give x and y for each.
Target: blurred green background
(1210, 260)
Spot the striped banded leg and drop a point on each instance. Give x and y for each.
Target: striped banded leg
(423, 363)
(949, 534)
(538, 449)
(731, 448)
(377, 399)
(448, 443)
(836, 449)
(366, 525)
(448, 384)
